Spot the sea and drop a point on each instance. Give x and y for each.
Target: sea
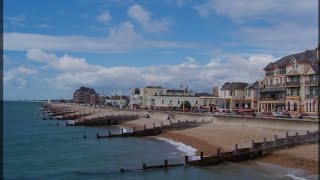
(47, 149)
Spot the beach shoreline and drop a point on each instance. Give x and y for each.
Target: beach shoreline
(209, 137)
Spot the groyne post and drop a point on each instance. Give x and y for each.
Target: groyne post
(275, 139)
(218, 152)
(235, 149)
(97, 135)
(165, 163)
(201, 156)
(264, 145)
(144, 166)
(134, 128)
(186, 159)
(287, 137)
(154, 124)
(121, 130)
(109, 133)
(252, 146)
(144, 127)
(170, 122)
(161, 124)
(296, 137)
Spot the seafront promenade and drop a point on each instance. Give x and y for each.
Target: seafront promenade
(223, 133)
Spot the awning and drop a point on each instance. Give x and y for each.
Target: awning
(274, 89)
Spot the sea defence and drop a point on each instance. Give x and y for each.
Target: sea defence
(249, 121)
(230, 120)
(156, 130)
(256, 150)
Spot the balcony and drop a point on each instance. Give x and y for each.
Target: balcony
(272, 99)
(269, 74)
(293, 96)
(283, 72)
(293, 83)
(311, 96)
(311, 83)
(275, 85)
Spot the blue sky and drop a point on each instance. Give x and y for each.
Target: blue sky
(52, 48)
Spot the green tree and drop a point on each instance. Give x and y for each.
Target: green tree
(187, 105)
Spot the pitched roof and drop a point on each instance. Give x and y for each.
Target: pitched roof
(306, 56)
(253, 85)
(315, 67)
(234, 85)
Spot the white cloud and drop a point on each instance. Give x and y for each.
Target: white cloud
(17, 76)
(199, 77)
(40, 56)
(262, 9)
(143, 17)
(17, 20)
(285, 26)
(122, 38)
(288, 37)
(64, 63)
(104, 17)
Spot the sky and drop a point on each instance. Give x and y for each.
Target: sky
(51, 48)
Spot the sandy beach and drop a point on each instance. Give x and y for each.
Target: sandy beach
(207, 138)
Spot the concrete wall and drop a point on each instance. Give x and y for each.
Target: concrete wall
(267, 122)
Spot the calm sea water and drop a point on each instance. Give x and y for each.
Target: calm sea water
(39, 149)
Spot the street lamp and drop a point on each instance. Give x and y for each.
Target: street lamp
(184, 91)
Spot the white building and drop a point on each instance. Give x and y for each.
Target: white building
(135, 99)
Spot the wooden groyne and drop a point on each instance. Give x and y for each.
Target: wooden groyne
(156, 130)
(256, 150)
(105, 120)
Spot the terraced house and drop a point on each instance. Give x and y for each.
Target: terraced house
(291, 83)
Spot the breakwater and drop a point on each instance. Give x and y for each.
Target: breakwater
(256, 150)
(180, 125)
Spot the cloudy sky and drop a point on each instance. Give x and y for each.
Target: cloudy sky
(53, 47)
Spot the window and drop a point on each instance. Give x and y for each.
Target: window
(307, 107)
(178, 101)
(277, 81)
(295, 106)
(280, 80)
(230, 93)
(196, 102)
(271, 81)
(170, 101)
(314, 107)
(162, 101)
(310, 107)
(266, 81)
(288, 106)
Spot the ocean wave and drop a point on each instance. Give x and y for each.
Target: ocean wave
(293, 173)
(295, 177)
(187, 150)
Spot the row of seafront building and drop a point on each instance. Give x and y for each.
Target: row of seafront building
(291, 83)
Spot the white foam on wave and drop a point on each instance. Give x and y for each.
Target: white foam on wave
(293, 173)
(295, 177)
(125, 130)
(187, 150)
